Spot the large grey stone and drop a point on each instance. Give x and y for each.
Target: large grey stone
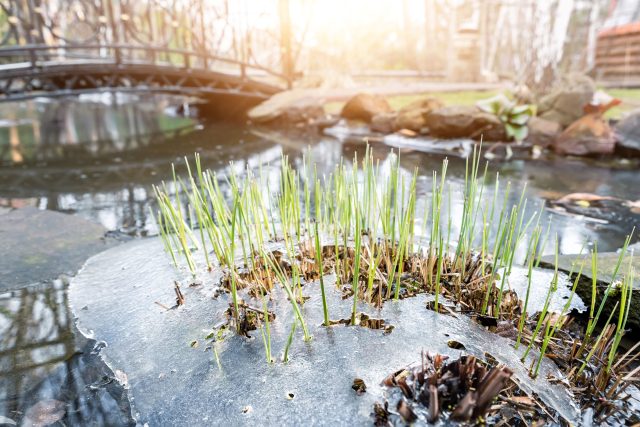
(364, 106)
(628, 132)
(412, 116)
(38, 246)
(384, 122)
(542, 132)
(465, 122)
(606, 265)
(566, 101)
(588, 135)
(292, 106)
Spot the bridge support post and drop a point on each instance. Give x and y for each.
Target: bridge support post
(115, 31)
(286, 56)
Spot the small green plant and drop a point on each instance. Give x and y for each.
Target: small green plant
(514, 117)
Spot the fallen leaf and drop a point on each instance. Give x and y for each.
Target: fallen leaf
(523, 400)
(407, 132)
(633, 206)
(583, 197)
(44, 413)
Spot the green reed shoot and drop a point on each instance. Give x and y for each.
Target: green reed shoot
(284, 280)
(531, 259)
(596, 344)
(438, 274)
(626, 289)
(355, 285)
(158, 219)
(266, 332)
(325, 310)
(551, 330)
(285, 358)
(610, 288)
(545, 308)
(231, 264)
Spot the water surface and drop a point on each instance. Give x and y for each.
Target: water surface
(100, 157)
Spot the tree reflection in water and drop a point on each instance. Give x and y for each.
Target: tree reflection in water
(43, 358)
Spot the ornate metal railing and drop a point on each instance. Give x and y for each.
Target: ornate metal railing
(204, 38)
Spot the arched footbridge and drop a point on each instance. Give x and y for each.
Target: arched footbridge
(202, 48)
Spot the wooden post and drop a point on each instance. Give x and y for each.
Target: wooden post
(285, 41)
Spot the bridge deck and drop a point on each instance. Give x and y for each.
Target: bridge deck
(20, 81)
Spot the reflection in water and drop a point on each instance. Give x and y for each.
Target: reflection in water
(117, 191)
(42, 360)
(84, 128)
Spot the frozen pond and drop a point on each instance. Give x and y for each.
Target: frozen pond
(118, 298)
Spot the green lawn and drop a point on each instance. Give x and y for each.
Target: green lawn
(630, 101)
(449, 98)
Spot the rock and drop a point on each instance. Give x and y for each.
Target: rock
(606, 265)
(384, 122)
(542, 132)
(326, 121)
(412, 116)
(565, 103)
(303, 114)
(412, 120)
(364, 106)
(465, 122)
(588, 135)
(627, 133)
(290, 107)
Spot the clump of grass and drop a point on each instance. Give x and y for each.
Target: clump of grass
(368, 212)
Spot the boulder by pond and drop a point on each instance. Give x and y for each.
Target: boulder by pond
(542, 132)
(465, 122)
(565, 103)
(413, 116)
(588, 135)
(288, 107)
(384, 122)
(628, 133)
(174, 378)
(364, 106)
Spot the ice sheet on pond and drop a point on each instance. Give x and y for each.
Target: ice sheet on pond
(115, 298)
(540, 283)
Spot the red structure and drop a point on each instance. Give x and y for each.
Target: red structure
(618, 49)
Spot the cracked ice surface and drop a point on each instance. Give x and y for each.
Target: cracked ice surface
(114, 298)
